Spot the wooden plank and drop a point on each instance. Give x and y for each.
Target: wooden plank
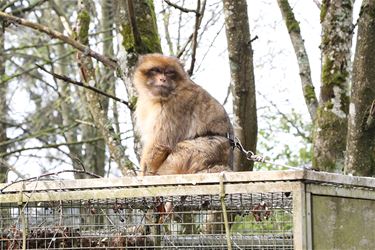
(341, 191)
(309, 237)
(359, 181)
(195, 179)
(150, 192)
(299, 218)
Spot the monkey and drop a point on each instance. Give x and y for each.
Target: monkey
(183, 129)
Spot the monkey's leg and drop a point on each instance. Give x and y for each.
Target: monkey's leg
(208, 154)
(153, 157)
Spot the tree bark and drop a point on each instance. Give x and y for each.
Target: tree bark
(242, 79)
(3, 106)
(302, 57)
(360, 148)
(330, 125)
(138, 34)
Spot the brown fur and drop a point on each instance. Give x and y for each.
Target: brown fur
(183, 128)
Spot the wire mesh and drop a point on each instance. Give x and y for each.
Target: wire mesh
(256, 220)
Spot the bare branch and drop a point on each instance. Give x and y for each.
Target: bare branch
(182, 50)
(318, 3)
(286, 118)
(54, 34)
(63, 19)
(302, 57)
(28, 8)
(57, 145)
(81, 84)
(166, 17)
(198, 21)
(186, 10)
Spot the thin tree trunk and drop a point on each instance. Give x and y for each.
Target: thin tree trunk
(330, 125)
(3, 106)
(302, 57)
(360, 148)
(242, 77)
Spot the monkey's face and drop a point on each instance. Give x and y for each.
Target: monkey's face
(158, 75)
(162, 81)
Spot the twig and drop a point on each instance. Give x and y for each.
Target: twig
(198, 19)
(228, 93)
(253, 39)
(81, 84)
(179, 29)
(210, 46)
(64, 21)
(182, 50)
(292, 124)
(55, 34)
(28, 8)
(318, 4)
(183, 9)
(33, 68)
(166, 17)
(57, 145)
(7, 5)
(11, 168)
(36, 178)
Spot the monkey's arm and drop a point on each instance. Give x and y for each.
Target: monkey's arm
(152, 158)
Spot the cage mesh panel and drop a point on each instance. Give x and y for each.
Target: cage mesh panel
(257, 221)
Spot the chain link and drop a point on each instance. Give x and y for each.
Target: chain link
(251, 156)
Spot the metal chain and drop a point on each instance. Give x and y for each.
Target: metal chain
(251, 156)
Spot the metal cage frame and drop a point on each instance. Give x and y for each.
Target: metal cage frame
(303, 185)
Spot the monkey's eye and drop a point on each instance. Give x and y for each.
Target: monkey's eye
(170, 73)
(155, 70)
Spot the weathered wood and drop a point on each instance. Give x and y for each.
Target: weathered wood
(195, 179)
(349, 192)
(153, 191)
(299, 217)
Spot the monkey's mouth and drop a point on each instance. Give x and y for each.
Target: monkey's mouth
(162, 90)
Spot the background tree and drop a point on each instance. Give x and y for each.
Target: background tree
(63, 126)
(3, 105)
(242, 79)
(330, 124)
(330, 117)
(360, 147)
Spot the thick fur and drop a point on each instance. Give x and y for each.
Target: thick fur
(182, 127)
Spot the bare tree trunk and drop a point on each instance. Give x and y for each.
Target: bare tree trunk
(3, 106)
(242, 77)
(330, 125)
(302, 58)
(360, 150)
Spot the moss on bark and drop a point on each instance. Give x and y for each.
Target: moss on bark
(147, 28)
(330, 125)
(84, 20)
(291, 22)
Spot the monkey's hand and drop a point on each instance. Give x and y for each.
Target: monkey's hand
(153, 157)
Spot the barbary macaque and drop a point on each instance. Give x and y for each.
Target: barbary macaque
(183, 128)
